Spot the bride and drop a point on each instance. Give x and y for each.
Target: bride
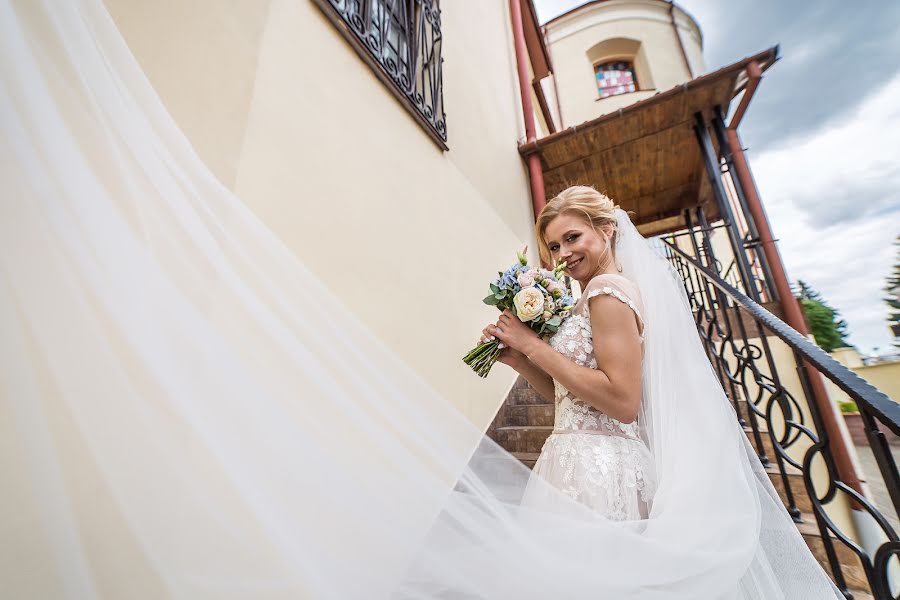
(187, 411)
(596, 453)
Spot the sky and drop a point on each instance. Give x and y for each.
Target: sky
(822, 137)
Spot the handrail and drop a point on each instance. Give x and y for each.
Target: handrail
(733, 329)
(856, 387)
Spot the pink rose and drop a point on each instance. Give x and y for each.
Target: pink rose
(525, 279)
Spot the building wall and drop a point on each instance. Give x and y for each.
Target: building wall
(573, 40)
(286, 114)
(885, 376)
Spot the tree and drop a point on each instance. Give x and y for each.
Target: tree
(892, 299)
(828, 329)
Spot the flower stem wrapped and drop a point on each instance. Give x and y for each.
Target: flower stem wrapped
(535, 296)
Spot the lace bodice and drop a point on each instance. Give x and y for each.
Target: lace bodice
(574, 340)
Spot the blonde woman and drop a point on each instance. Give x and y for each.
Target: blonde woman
(644, 435)
(596, 453)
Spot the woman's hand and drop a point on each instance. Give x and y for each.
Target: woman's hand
(507, 356)
(513, 333)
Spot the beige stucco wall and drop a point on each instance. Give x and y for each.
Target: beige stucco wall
(885, 376)
(660, 64)
(286, 114)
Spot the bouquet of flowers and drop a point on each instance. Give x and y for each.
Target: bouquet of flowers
(534, 295)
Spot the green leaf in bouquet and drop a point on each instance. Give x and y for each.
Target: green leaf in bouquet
(555, 321)
(495, 289)
(491, 300)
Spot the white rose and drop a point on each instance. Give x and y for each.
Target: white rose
(529, 304)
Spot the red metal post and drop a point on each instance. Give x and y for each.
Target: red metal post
(536, 174)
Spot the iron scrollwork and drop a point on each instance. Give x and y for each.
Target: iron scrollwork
(735, 333)
(402, 40)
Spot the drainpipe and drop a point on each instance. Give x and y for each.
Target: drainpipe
(555, 87)
(687, 63)
(793, 316)
(536, 174)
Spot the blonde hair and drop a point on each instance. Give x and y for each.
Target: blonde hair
(596, 208)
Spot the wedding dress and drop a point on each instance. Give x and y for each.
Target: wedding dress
(180, 418)
(591, 457)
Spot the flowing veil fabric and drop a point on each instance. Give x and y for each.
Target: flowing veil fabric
(182, 418)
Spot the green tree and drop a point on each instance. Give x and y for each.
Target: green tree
(892, 287)
(828, 329)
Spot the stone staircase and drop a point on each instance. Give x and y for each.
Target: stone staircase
(525, 420)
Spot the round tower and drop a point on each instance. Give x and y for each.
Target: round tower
(608, 54)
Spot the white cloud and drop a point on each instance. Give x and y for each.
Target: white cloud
(834, 203)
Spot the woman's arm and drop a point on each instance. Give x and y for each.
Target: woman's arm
(615, 386)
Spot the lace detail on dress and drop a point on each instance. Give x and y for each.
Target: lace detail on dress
(572, 413)
(612, 473)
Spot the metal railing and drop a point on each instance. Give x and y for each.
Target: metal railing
(735, 332)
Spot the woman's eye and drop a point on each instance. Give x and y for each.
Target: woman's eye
(573, 237)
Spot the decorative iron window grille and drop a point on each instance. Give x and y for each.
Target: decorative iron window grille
(401, 40)
(614, 78)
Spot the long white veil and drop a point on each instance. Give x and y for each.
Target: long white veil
(185, 411)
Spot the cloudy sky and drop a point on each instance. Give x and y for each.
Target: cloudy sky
(823, 138)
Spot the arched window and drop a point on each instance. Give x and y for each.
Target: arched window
(615, 77)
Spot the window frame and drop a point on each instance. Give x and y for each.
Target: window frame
(417, 84)
(630, 60)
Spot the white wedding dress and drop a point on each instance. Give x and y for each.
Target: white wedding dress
(589, 456)
(180, 418)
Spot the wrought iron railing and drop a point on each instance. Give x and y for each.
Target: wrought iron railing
(735, 332)
(401, 40)
(698, 236)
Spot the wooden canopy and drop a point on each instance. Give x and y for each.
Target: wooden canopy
(646, 156)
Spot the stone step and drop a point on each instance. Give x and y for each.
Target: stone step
(852, 568)
(522, 438)
(522, 393)
(795, 481)
(794, 476)
(526, 414)
(766, 441)
(742, 409)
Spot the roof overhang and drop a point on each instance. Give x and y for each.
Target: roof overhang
(645, 156)
(534, 41)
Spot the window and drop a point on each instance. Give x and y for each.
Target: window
(614, 78)
(401, 41)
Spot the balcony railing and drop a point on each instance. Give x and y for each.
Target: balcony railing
(735, 331)
(401, 41)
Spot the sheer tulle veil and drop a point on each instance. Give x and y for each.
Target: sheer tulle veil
(180, 418)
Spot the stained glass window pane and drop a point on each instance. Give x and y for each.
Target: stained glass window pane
(615, 78)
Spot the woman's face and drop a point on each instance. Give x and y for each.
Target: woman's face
(571, 238)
